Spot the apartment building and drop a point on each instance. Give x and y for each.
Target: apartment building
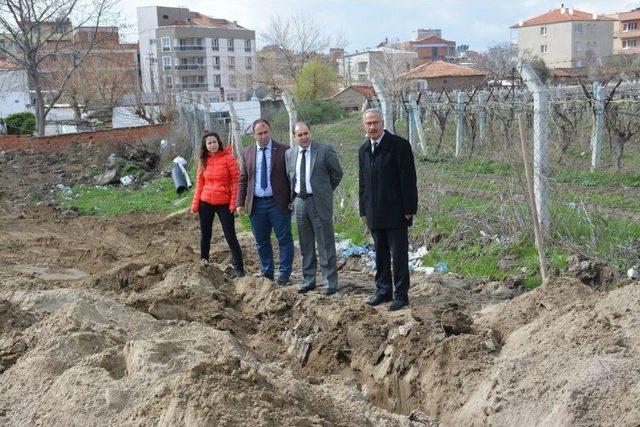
(358, 68)
(626, 32)
(185, 50)
(565, 37)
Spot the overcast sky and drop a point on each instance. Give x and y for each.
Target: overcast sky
(478, 23)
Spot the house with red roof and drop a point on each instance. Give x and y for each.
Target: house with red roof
(565, 37)
(353, 97)
(626, 32)
(430, 46)
(441, 75)
(185, 50)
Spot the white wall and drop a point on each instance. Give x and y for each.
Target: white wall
(14, 92)
(123, 117)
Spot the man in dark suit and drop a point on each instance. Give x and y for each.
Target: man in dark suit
(264, 186)
(314, 172)
(388, 201)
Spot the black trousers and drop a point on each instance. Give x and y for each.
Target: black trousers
(392, 244)
(227, 220)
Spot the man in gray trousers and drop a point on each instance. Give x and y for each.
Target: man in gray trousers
(314, 172)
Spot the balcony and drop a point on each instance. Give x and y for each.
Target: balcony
(191, 86)
(188, 47)
(190, 67)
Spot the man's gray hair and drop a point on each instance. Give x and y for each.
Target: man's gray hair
(372, 110)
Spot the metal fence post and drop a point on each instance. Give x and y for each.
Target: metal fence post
(235, 134)
(386, 104)
(414, 116)
(293, 114)
(482, 114)
(598, 125)
(459, 122)
(207, 111)
(540, 143)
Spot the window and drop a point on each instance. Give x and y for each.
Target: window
(152, 43)
(543, 48)
(59, 29)
(216, 62)
(629, 26)
(543, 31)
(168, 82)
(215, 44)
(362, 67)
(626, 44)
(248, 63)
(232, 81)
(166, 63)
(578, 28)
(230, 45)
(165, 16)
(216, 80)
(579, 63)
(231, 98)
(247, 45)
(578, 47)
(166, 44)
(232, 63)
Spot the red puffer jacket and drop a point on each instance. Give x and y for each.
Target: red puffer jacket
(218, 184)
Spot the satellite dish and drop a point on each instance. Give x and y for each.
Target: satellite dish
(261, 92)
(248, 94)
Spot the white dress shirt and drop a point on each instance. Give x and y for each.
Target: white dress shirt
(307, 157)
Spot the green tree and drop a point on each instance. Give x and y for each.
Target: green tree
(315, 81)
(20, 123)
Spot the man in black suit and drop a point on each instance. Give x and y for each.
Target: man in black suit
(388, 201)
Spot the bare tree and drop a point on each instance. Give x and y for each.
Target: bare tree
(390, 65)
(40, 36)
(498, 61)
(292, 42)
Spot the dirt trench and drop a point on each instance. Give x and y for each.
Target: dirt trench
(111, 320)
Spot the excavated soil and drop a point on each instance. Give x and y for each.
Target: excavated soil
(110, 320)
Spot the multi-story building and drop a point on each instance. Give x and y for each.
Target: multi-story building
(626, 32)
(184, 50)
(430, 46)
(565, 38)
(358, 68)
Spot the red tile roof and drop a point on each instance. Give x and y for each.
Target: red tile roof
(629, 16)
(366, 91)
(441, 69)
(432, 40)
(201, 20)
(555, 16)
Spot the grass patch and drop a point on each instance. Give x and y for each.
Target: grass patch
(156, 196)
(477, 166)
(599, 178)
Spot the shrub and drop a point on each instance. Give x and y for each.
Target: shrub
(21, 123)
(312, 112)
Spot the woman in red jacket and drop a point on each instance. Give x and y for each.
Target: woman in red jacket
(216, 190)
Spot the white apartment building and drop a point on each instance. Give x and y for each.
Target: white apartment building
(566, 38)
(185, 50)
(358, 68)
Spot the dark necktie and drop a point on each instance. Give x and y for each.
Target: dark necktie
(303, 175)
(263, 169)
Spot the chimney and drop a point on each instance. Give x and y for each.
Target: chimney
(520, 23)
(562, 10)
(571, 11)
(595, 16)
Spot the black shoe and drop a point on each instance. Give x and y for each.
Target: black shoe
(377, 300)
(305, 289)
(282, 281)
(265, 275)
(330, 291)
(238, 272)
(397, 305)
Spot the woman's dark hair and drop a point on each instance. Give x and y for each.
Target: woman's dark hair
(203, 147)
